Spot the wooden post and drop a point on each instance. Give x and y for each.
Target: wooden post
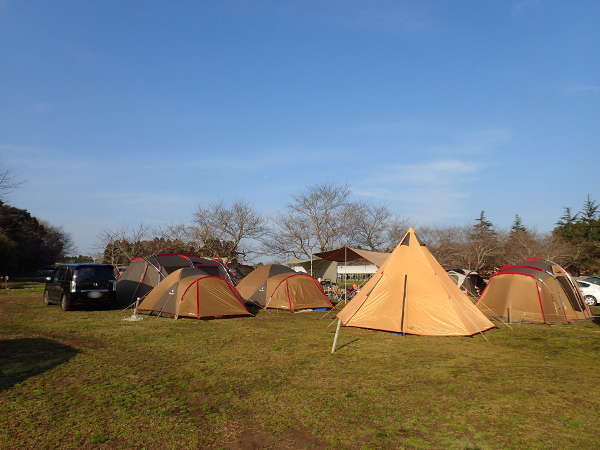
(335, 338)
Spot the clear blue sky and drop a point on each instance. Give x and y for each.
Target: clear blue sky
(124, 112)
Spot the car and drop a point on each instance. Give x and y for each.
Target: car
(80, 284)
(591, 292)
(594, 279)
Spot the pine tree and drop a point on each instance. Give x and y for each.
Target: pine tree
(482, 228)
(567, 217)
(589, 213)
(517, 226)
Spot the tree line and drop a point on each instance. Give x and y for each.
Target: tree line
(325, 216)
(26, 242)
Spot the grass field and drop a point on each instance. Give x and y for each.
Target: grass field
(89, 379)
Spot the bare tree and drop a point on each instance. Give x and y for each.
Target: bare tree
(232, 225)
(316, 220)
(368, 225)
(120, 246)
(7, 183)
(396, 229)
(291, 236)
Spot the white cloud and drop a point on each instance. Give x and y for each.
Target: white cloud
(584, 89)
(29, 158)
(438, 173)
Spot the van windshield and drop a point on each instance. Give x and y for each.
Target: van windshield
(98, 273)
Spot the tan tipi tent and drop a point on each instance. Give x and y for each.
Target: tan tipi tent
(411, 293)
(279, 287)
(534, 291)
(193, 293)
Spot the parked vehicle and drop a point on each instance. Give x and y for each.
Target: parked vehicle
(80, 284)
(594, 279)
(591, 292)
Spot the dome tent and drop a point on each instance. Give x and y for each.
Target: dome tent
(537, 291)
(279, 287)
(412, 294)
(143, 274)
(193, 293)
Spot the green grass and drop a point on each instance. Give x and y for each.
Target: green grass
(89, 379)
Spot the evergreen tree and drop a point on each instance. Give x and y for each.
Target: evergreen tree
(589, 213)
(517, 226)
(482, 228)
(27, 243)
(583, 231)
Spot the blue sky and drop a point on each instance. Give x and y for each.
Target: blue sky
(118, 113)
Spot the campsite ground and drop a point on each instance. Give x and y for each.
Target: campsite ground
(90, 379)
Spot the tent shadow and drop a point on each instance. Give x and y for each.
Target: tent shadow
(339, 347)
(253, 308)
(27, 357)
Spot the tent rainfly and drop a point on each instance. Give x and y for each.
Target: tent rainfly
(412, 294)
(536, 290)
(279, 287)
(193, 293)
(345, 254)
(143, 274)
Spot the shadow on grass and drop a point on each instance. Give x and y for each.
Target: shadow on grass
(24, 358)
(339, 347)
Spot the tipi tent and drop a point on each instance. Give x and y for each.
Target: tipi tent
(534, 291)
(279, 287)
(193, 293)
(411, 293)
(143, 274)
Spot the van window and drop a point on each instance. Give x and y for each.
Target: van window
(95, 273)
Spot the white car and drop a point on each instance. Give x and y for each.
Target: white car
(591, 292)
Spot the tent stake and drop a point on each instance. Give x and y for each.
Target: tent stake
(335, 338)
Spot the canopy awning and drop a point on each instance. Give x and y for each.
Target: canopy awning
(345, 254)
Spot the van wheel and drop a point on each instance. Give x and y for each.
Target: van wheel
(65, 304)
(46, 299)
(591, 300)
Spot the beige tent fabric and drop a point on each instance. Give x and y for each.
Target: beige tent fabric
(377, 258)
(193, 293)
(535, 291)
(278, 287)
(411, 293)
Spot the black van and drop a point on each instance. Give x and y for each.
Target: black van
(78, 284)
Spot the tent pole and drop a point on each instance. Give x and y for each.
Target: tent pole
(311, 266)
(345, 275)
(403, 304)
(335, 338)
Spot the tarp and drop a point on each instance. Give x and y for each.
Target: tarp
(537, 291)
(349, 254)
(411, 293)
(193, 293)
(279, 287)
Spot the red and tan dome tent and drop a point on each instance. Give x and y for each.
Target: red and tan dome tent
(143, 274)
(411, 293)
(193, 293)
(537, 291)
(279, 287)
